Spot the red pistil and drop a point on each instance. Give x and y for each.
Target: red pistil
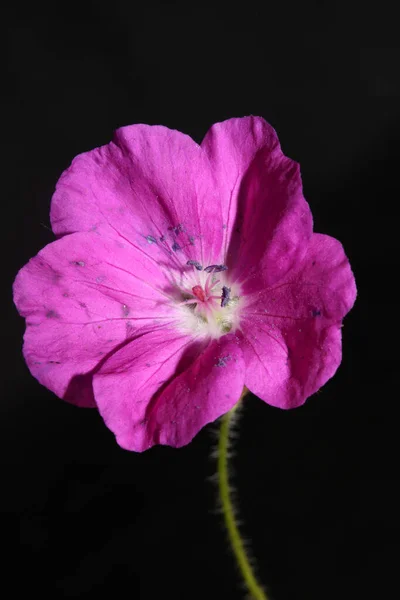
(199, 293)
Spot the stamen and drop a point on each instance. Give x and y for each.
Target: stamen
(215, 268)
(226, 295)
(214, 283)
(209, 286)
(195, 263)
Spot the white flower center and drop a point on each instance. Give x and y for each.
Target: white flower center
(209, 305)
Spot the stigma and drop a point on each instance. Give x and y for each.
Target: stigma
(199, 293)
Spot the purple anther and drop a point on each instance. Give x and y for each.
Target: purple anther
(226, 296)
(151, 239)
(176, 247)
(215, 268)
(195, 263)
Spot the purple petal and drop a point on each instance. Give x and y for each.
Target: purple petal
(267, 221)
(292, 331)
(82, 297)
(151, 186)
(163, 388)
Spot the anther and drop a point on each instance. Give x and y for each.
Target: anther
(196, 264)
(226, 295)
(215, 268)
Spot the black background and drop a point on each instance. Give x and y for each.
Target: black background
(316, 486)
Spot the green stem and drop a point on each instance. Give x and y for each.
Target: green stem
(227, 508)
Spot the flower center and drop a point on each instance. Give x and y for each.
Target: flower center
(208, 304)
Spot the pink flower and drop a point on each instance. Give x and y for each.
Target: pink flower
(183, 273)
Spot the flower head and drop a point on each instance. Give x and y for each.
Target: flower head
(183, 272)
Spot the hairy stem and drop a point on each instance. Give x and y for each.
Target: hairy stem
(235, 539)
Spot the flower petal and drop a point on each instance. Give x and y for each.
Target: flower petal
(292, 335)
(82, 297)
(163, 388)
(152, 186)
(268, 222)
(209, 388)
